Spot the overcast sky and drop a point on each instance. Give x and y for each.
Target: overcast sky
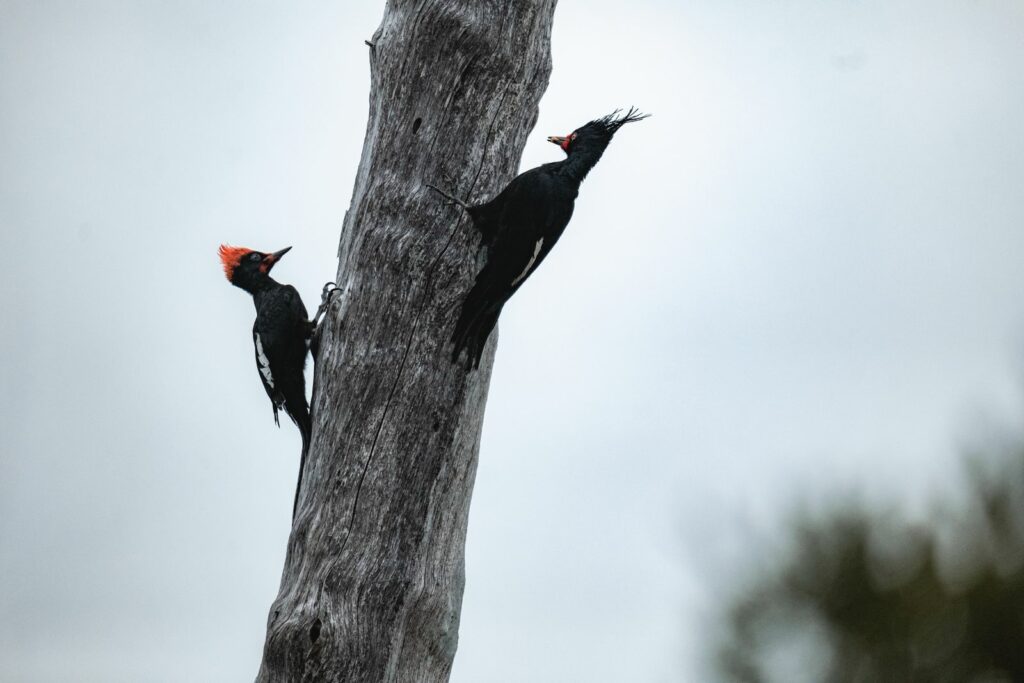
(802, 275)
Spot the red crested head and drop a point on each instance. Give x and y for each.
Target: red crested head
(231, 258)
(247, 268)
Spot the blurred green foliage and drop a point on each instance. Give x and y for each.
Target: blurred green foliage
(865, 597)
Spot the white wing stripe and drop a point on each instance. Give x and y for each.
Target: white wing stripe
(264, 363)
(536, 251)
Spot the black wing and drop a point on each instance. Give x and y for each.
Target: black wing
(520, 226)
(522, 201)
(531, 216)
(280, 337)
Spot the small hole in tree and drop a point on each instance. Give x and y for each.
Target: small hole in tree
(314, 631)
(416, 125)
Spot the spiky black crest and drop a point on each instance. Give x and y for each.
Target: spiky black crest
(585, 145)
(612, 122)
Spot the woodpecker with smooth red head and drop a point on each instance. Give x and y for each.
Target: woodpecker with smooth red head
(281, 335)
(519, 227)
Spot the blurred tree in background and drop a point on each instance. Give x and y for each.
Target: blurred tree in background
(862, 596)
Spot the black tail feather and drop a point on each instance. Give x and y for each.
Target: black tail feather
(472, 333)
(484, 329)
(300, 416)
(472, 308)
(302, 466)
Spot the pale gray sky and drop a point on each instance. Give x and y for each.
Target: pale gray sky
(802, 274)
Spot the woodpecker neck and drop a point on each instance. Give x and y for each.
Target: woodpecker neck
(254, 282)
(583, 156)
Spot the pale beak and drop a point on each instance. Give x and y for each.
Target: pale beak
(557, 139)
(271, 259)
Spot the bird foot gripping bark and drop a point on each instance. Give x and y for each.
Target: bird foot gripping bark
(326, 297)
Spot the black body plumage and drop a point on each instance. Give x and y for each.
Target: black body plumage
(281, 336)
(519, 227)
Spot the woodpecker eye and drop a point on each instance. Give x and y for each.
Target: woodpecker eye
(254, 257)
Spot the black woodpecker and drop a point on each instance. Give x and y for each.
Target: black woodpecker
(519, 227)
(281, 335)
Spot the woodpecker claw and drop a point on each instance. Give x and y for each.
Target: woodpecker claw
(328, 289)
(450, 198)
(326, 294)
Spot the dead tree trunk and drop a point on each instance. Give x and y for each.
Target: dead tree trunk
(372, 583)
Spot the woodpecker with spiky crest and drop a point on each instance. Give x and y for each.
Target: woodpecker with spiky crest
(281, 335)
(519, 227)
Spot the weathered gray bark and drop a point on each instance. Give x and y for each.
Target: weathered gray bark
(372, 583)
